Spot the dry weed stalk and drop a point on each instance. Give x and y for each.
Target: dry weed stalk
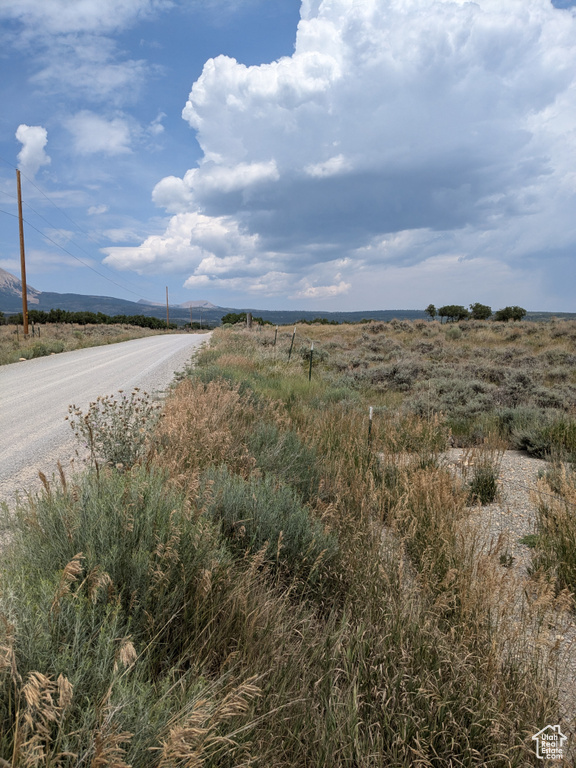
(126, 655)
(39, 725)
(108, 752)
(195, 738)
(7, 652)
(70, 574)
(97, 580)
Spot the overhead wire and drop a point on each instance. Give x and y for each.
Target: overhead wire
(57, 229)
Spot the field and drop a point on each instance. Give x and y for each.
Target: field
(256, 576)
(60, 337)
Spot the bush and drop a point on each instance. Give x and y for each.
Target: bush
(483, 485)
(42, 349)
(285, 456)
(111, 591)
(260, 514)
(116, 430)
(553, 435)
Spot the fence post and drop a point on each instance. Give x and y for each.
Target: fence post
(370, 424)
(275, 336)
(311, 355)
(292, 344)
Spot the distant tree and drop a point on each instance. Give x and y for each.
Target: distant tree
(431, 311)
(510, 313)
(480, 311)
(2, 319)
(233, 317)
(453, 313)
(240, 317)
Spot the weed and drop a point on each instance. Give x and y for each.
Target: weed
(116, 430)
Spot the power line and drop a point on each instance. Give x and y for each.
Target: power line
(139, 294)
(72, 255)
(80, 260)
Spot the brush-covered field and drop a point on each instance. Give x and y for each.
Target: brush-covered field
(252, 577)
(61, 337)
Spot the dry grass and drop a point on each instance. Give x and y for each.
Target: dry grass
(53, 338)
(193, 638)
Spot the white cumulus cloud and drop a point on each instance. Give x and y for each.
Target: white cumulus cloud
(32, 155)
(394, 123)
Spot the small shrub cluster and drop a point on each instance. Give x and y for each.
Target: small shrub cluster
(116, 429)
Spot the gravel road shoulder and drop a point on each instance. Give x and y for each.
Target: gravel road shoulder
(505, 523)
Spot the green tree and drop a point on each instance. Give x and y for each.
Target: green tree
(480, 311)
(431, 311)
(453, 312)
(240, 317)
(510, 313)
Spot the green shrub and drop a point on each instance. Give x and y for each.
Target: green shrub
(551, 435)
(261, 513)
(130, 527)
(42, 349)
(454, 334)
(110, 591)
(285, 456)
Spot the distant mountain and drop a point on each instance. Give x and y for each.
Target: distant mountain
(11, 302)
(11, 293)
(197, 305)
(202, 311)
(184, 305)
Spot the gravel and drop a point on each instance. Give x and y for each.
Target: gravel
(510, 518)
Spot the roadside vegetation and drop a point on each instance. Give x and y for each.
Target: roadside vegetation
(55, 337)
(268, 581)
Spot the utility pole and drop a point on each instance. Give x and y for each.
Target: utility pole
(167, 311)
(22, 258)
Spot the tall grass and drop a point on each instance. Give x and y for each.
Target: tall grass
(266, 587)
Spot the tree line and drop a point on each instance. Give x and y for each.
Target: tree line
(85, 318)
(456, 312)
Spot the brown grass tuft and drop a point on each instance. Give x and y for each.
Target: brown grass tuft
(70, 574)
(203, 425)
(196, 739)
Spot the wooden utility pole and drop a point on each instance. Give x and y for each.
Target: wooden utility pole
(167, 311)
(22, 258)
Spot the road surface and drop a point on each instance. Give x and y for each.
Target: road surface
(35, 395)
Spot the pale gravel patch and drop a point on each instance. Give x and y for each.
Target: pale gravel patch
(507, 521)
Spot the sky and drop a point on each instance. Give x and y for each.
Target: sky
(325, 154)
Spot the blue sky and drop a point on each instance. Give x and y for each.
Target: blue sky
(323, 154)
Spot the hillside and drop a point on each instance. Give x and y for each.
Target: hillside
(11, 302)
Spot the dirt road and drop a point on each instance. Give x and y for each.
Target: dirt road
(35, 394)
